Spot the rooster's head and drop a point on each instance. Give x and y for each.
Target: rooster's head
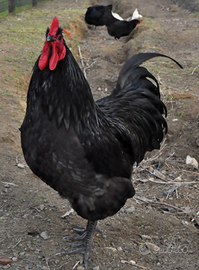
(54, 49)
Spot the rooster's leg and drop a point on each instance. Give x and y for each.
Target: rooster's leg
(85, 246)
(91, 225)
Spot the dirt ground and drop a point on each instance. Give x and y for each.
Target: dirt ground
(153, 230)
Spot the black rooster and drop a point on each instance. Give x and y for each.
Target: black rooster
(95, 14)
(85, 149)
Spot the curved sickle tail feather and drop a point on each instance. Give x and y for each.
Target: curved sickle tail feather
(128, 75)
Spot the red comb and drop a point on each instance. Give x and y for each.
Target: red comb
(68, 33)
(54, 27)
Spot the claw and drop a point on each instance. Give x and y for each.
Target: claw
(75, 245)
(77, 238)
(79, 230)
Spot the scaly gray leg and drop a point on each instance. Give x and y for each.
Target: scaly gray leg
(85, 247)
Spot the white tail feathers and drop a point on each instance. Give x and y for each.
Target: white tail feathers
(136, 15)
(117, 16)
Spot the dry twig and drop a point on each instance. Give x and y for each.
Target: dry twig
(169, 182)
(190, 172)
(67, 213)
(153, 174)
(80, 54)
(194, 70)
(82, 63)
(17, 243)
(10, 184)
(145, 200)
(77, 263)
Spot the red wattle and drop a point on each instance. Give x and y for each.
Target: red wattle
(54, 57)
(43, 60)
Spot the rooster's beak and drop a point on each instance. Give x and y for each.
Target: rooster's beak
(50, 38)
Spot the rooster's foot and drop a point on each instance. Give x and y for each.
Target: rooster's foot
(85, 247)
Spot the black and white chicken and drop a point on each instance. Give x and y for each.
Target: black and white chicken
(117, 27)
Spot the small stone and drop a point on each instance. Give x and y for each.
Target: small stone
(21, 254)
(41, 207)
(129, 262)
(183, 222)
(192, 162)
(145, 237)
(80, 267)
(44, 235)
(152, 247)
(111, 248)
(21, 166)
(14, 259)
(96, 268)
(119, 249)
(130, 210)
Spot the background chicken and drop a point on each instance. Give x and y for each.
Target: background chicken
(85, 149)
(121, 28)
(117, 27)
(95, 14)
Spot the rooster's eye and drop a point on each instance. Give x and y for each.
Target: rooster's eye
(60, 37)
